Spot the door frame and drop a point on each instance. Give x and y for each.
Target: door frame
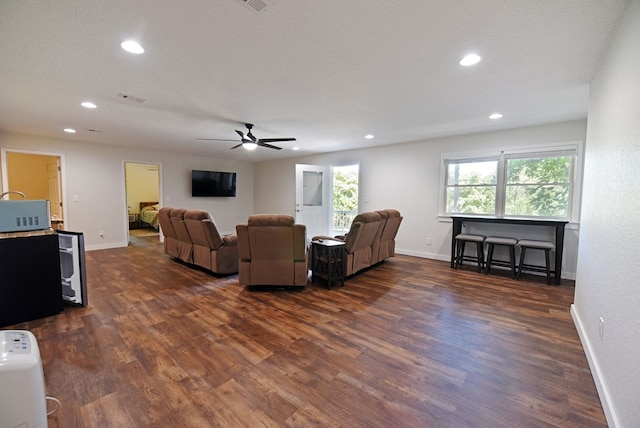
(125, 215)
(62, 175)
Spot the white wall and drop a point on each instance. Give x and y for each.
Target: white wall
(608, 276)
(406, 177)
(95, 173)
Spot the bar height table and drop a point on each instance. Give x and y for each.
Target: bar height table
(558, 225)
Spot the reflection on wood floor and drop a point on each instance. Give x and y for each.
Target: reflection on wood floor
(410, 343)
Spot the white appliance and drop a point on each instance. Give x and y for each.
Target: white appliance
(21, 216)
(22, 397)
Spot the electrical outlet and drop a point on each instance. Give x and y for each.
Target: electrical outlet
(601, 329)
(429, 241)
(101, 233)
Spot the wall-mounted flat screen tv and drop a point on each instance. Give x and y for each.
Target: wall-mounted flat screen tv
(213, 183)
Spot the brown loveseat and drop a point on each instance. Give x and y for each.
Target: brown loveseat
(370, 240)
(273, 251)
(192, 236)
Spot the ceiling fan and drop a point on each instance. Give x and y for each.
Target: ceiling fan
(250, 142)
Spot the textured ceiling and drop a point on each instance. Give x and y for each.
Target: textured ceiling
(326, 72)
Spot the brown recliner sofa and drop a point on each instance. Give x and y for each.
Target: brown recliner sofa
(191, 236)
(170, 236)
(370, 240)
(359, 242)
(185, 247)
(211, 251)
(272, 251)
(389, 225)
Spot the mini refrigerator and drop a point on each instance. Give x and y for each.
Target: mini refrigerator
(72, 267)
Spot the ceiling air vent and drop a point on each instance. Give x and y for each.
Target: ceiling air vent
(256, 5)
(131, 98)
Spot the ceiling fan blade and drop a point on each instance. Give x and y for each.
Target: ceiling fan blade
(241, 134)
(235, 147)
(275, 140)
(269, 146)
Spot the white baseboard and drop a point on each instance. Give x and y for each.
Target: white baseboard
(596, 372)
(422, 254)
(106, 246)
(436, 256)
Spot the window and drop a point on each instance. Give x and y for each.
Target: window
(532, 183)
(344, 205)
(471, 186)
(539, 185)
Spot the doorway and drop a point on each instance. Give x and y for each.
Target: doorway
(38, 176)
(312, 198)
(142, 193)
(326, 198)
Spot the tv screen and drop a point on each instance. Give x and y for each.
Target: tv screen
(213, 183)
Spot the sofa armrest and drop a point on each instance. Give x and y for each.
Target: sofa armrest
(242, 233)
(230, 240)
(299, 242)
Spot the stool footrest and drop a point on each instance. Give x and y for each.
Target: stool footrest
(535, 268)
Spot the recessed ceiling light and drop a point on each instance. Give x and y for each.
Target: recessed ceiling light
(470, 59)
(368, 136)
(88, 104)
(496, 116)
(132, 47)
(69, 130)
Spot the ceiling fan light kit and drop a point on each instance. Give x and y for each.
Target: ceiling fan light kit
(250, 142)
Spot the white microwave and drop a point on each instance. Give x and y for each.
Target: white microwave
(26, 215)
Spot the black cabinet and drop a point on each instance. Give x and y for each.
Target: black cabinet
(29, 278)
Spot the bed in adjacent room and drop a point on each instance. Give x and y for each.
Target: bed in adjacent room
(149, 214)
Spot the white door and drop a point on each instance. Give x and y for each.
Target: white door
(54, 191)
(312, 198)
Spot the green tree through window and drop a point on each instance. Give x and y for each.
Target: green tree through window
(538, 186)
(345, 190)
(345, 197)
(535, 184)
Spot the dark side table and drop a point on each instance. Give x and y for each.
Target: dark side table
(328, 260)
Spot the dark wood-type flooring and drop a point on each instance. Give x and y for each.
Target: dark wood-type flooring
(410, 343)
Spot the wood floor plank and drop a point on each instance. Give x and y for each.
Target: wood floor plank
(410, 342)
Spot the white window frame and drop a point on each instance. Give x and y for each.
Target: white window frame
(575, 190)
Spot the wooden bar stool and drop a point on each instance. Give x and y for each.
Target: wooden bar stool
(492, 241)
(546, 246)
(461, 240)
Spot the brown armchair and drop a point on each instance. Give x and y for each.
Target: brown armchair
(272, 250)
(211, 251)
